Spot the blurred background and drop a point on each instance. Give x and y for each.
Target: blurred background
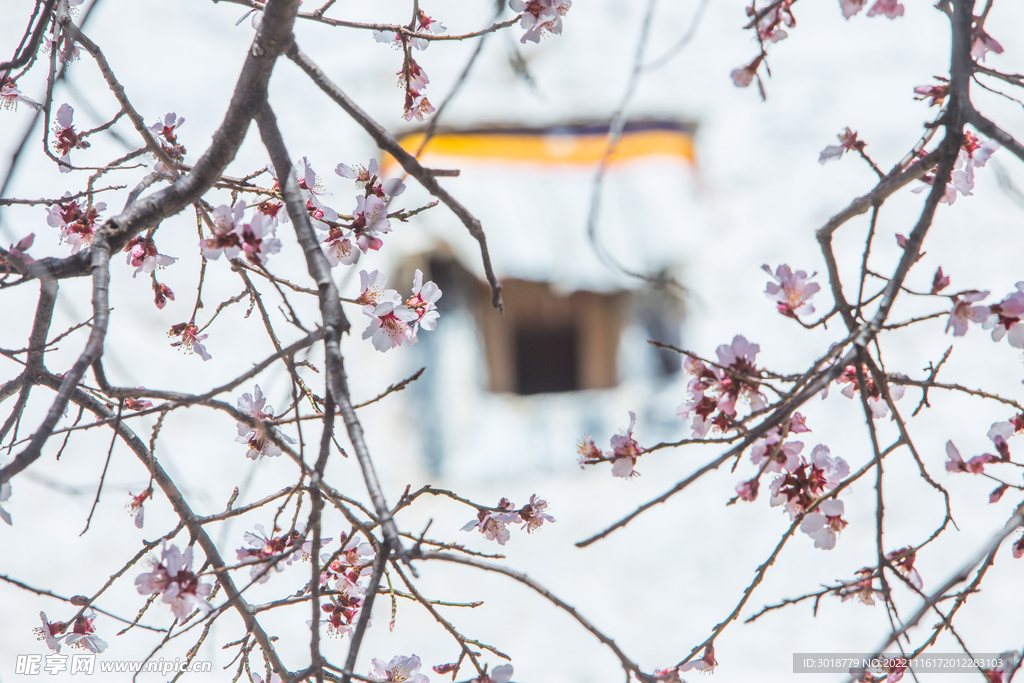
(709, 184)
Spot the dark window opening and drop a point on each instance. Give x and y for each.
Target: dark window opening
(545, 360)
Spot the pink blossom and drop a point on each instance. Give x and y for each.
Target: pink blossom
(339, 247)
(66, 137)
(354, 562)
(744, 76)
(342, 612)
(706, 664)
(253, 236)
(164, 131)
(747, 490)
(625, 451)
(399, 670)
(1005, 318)
(963, 312)
(999, 433)
(82, 634)
(369, 220)
(792, 291)
(371, 289)
(798, 489)
(136, 505)
(492, 523)
(423, 303)
(540, 17)
(499, 674)
(389, 325)
(368, 178)
(934, 93)
(161, 293)
(851, 7)
(263, 547)
(417, 106)
(939, 281)
(255, 406)
(190, 339)
(10, 96)
(412, 76)
(876, 402)
(533, 514)
(982, 43)
(787, 456)
(975, 465)
(308, 180)
(713, 388)
(889, 8)
(848, 142)
(769, 27)
(1018, 548)
(860, 588)
(226, 238)
(51, 632)
(19, 250)
(589, 453)
(166, 128)
(825, 523)
(49, 44)
(173, 578)
(903, 559)
(76, 220)
(143, 255)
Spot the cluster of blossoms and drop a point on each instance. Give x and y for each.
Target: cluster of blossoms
(76, 220)
(344, 244)
(255, 406)
(79, 633)
(973, 154)
(169, 142)
(285, 549)
(799, 487)
(1005, 318)
(876, 401)
(623, 456)
(392, 322)
(719, 387)
(10, 96)
(540, 17)
(143, 255)
(1002, 318)
(232, 234)
(769, 30)
(412, 77)
(346, 568)
(172, 578)
(791, 291)
(999, 433)
(67, 138)
(492, 522)
(888, 8)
